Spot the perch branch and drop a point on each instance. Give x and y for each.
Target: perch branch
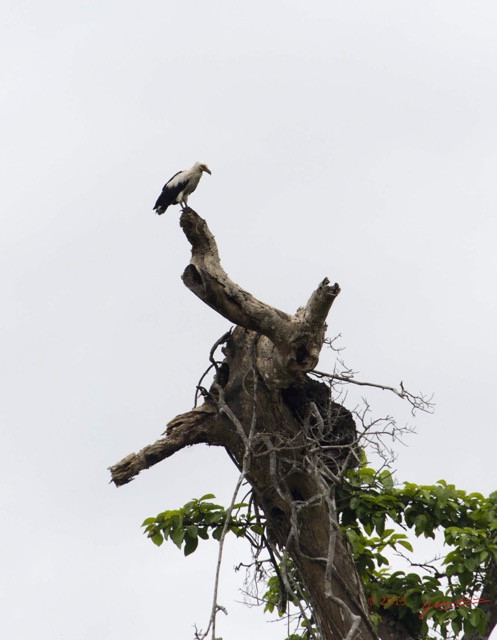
(206, 278)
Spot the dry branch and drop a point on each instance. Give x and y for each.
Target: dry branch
(195, 427)
(298, 337)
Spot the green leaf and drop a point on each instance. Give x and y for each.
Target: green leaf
(456, 626)
(157, 539)
(471, 563)
(482, 622)
(257, 528)
(239, 505)
(177, 536)
(368, 476)
(208, 496)
(420, 524)
(473, 618)
(386, 479)
(379, 523)
(463, 612)
(477, 496)
(192, 531)
(215, 517)
(407, 545)
(217, 533)
(381, 559)
(190, 545)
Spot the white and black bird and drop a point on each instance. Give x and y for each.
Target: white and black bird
(179, 187)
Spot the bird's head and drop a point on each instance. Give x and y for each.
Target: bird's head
(204, 167)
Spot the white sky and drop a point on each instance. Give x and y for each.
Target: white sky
(355, 140)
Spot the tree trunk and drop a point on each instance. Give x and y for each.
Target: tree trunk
(280, 427)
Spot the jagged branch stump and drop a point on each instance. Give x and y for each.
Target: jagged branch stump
(262, 383)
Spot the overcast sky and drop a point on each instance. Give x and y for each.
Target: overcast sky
(355, 140)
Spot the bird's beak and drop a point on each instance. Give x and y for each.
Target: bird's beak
(208, 170)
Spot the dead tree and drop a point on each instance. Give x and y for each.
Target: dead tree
(280, 427)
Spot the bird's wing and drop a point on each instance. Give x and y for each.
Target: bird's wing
(178, 178)
(170, 190)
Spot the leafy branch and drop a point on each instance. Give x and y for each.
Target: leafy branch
(366, 502)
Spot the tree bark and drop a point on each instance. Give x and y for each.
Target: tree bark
(280, 426)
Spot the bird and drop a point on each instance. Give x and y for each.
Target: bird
(179, 187)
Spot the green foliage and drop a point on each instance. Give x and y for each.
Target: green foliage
(468, 522)
(277, 599)
(371, 513)
(199, 519)
(277, 596)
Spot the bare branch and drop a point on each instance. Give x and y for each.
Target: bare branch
(198, 426)
(418, 402)
(298, 337)
(318, 306)
(247, 441)
(206, 278)
(214, 365)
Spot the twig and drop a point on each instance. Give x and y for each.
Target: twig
(417, 402)
(224, 408)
